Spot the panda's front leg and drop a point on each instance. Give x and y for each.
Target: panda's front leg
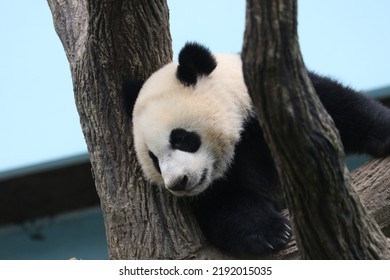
(242, 223)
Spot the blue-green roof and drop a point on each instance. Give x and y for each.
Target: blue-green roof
(383, 92)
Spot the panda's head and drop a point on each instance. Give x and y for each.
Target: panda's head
(188, 118)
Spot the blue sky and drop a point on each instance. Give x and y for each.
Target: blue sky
(347, 39)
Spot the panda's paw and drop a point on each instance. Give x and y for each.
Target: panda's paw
(378, 147)
(270, 239)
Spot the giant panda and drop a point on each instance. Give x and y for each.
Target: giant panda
(196, 134)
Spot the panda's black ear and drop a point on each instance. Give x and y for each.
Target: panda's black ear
(129, 94)
(194, 60)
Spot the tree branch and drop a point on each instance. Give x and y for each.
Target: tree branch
(372, 182)
(329, 221)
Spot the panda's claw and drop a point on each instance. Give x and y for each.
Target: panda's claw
(269, 245)
(270, 238)
(286, 236)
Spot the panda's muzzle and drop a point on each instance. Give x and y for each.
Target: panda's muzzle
(182, 173)
(182, 186)
(179, 185)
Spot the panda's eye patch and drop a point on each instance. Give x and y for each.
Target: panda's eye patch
(155, 161)
(184, 140)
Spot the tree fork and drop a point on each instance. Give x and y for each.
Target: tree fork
(107, 42)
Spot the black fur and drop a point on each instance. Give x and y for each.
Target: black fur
(363, 123)
(194, 61)
(129, 94)
(241, 212)
(183, 140)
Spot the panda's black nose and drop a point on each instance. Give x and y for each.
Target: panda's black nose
(179, 185)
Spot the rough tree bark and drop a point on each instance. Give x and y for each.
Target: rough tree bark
(329, 220)
(106, 42)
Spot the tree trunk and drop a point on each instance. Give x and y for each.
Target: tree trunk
(329, 220)
(106, 42)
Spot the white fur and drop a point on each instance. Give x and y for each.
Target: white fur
(215, 108)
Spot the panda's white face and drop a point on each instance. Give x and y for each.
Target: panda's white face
(185, 135)
(184, 164)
